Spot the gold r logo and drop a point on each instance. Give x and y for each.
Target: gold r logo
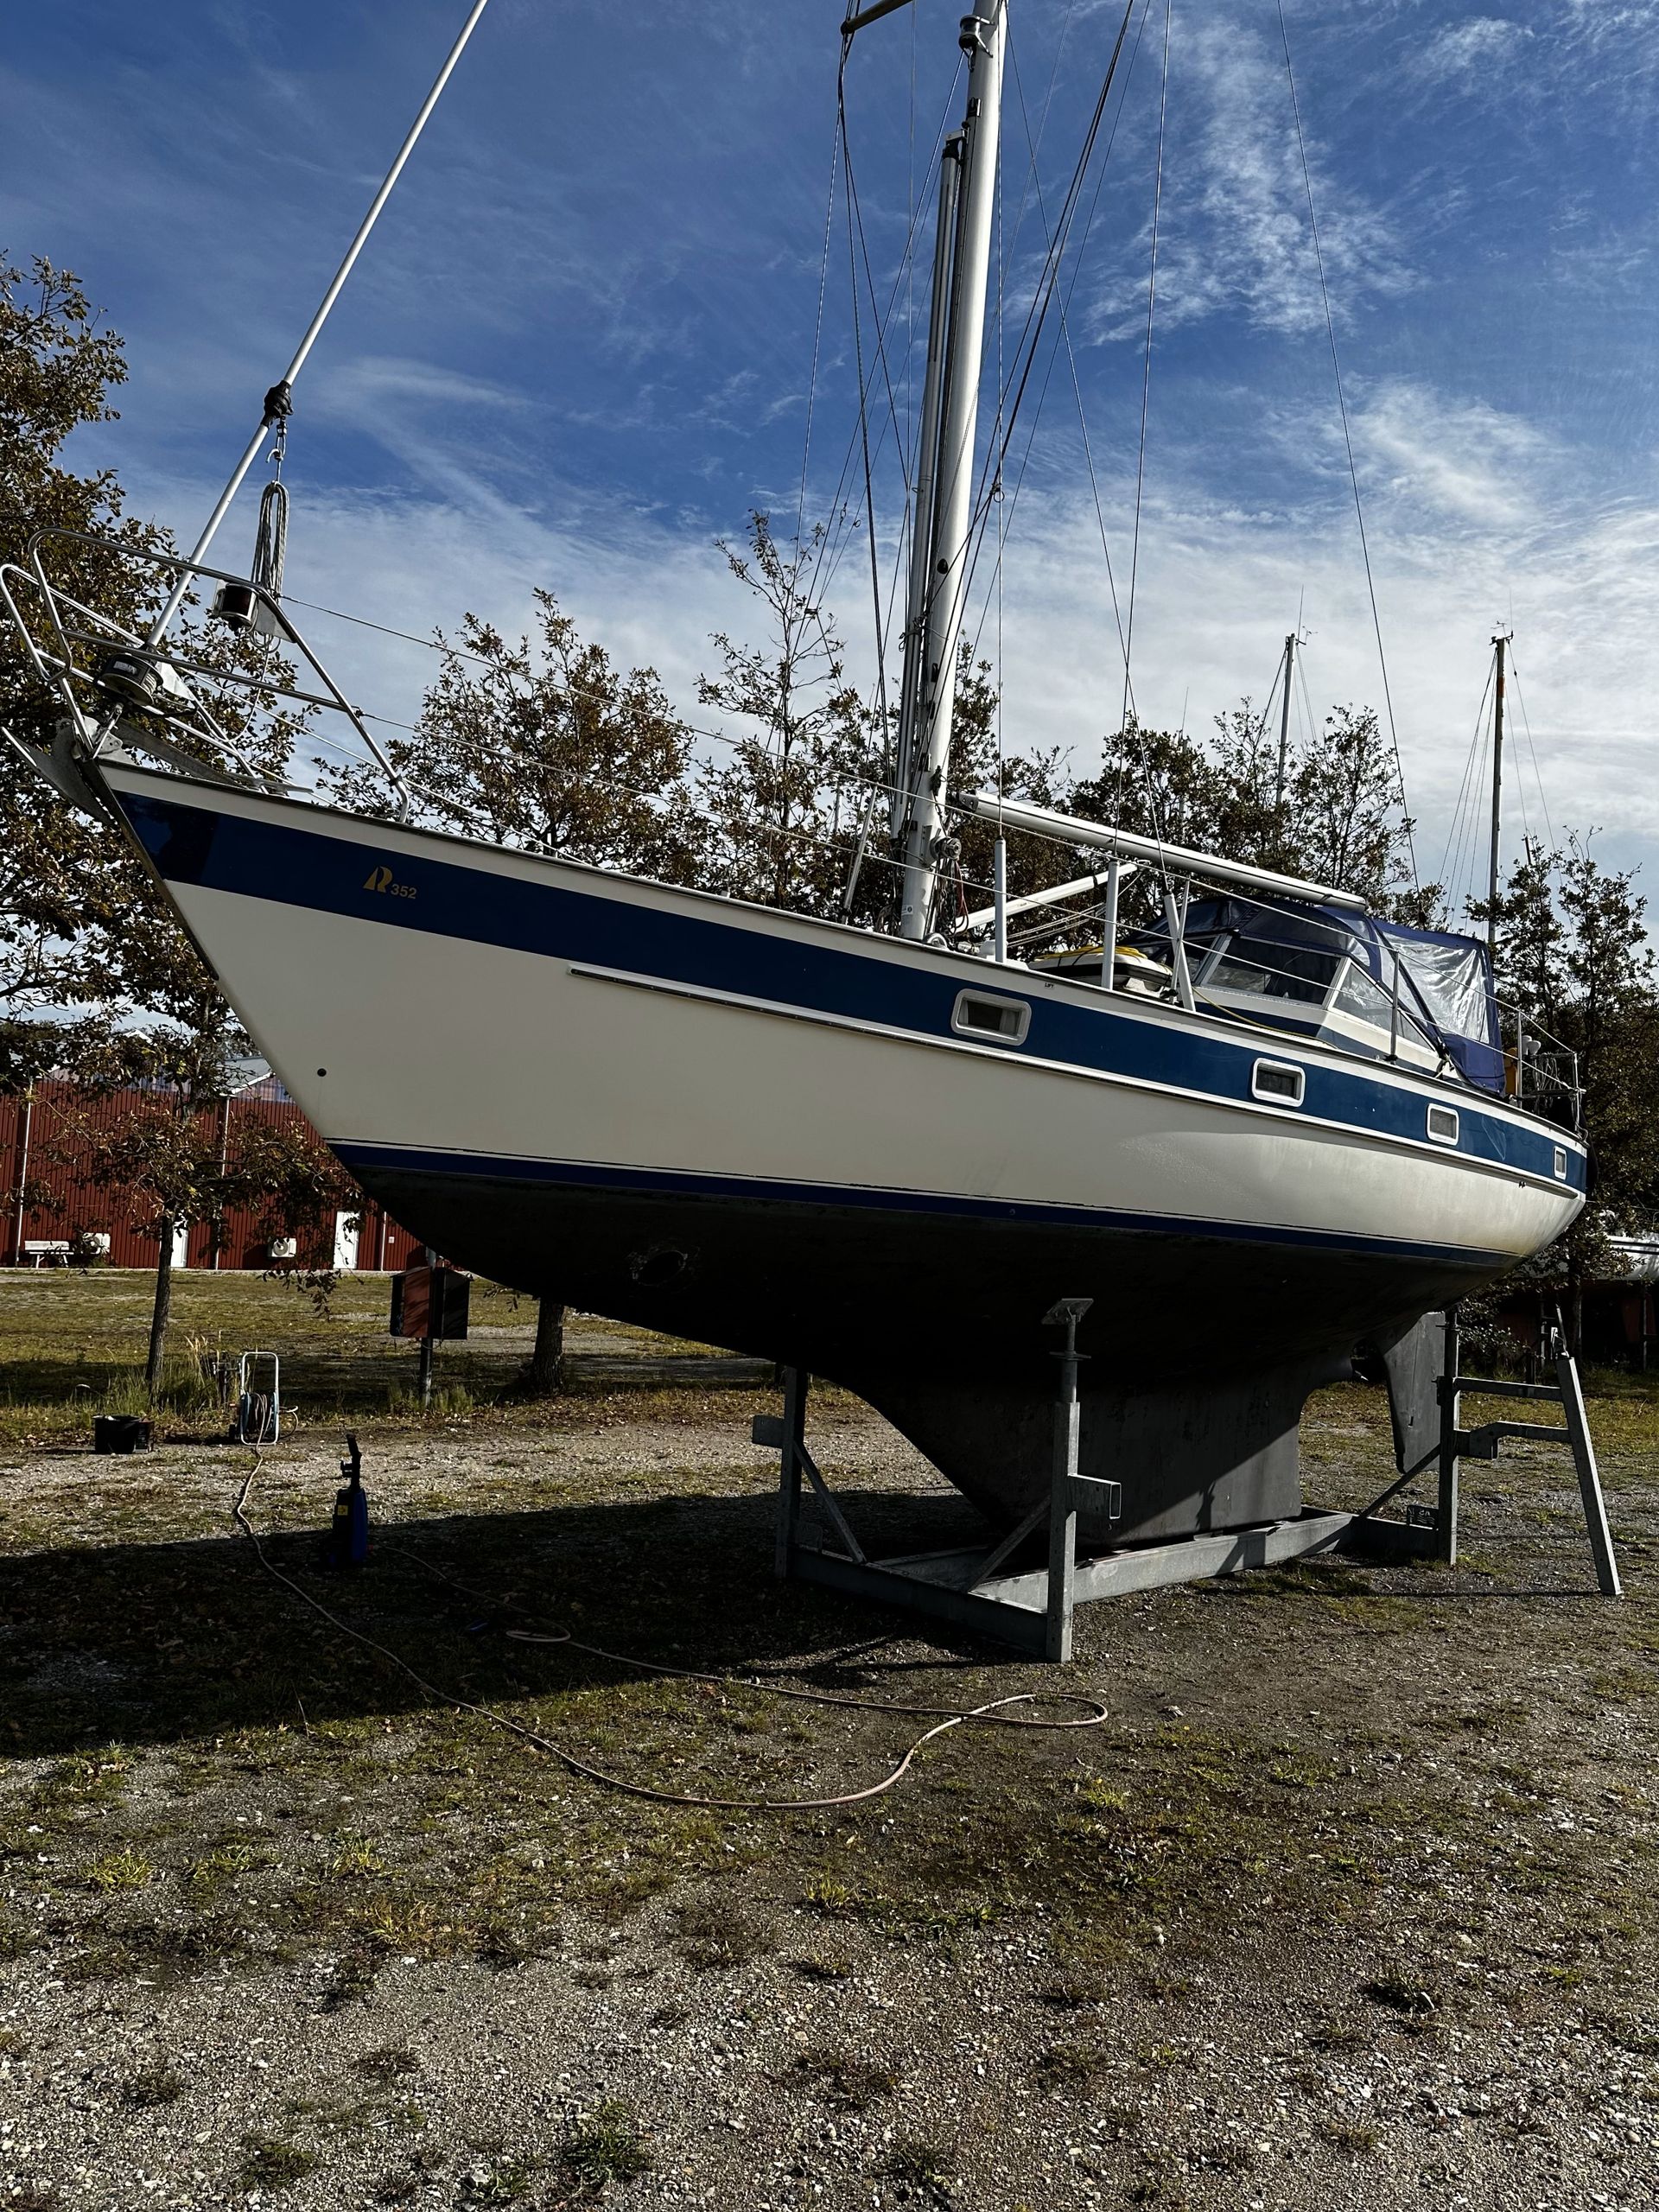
(379, 880)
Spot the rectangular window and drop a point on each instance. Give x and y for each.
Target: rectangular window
(1002, 1021)
(1560, 1163)
(1278, 1083)
(1268, 970)
(1443, 1124)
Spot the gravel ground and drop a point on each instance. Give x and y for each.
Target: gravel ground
(1350, 1903)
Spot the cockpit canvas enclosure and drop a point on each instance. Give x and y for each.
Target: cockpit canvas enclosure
(1453, 977)
(1294, 951)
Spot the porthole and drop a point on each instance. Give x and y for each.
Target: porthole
(1278, 1082)
(998, 1021)
(1443, 1124)
(1560, 1163)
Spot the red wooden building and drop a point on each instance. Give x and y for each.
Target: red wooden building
(52, 1206)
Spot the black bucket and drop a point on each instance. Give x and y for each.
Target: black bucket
(120, 1432)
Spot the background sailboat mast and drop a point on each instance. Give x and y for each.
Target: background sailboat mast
(1284, 720)
(982, 37)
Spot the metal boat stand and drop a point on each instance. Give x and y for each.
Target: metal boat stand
(1457, 1442)
(1033, 1609)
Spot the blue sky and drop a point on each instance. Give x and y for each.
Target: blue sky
(579, 345)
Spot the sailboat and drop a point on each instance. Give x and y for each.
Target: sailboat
(1254, 1135)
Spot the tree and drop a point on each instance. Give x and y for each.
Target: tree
(544, 1376)
(168, 1164)
(548, 747)
(1339, 821)
(785, 809)
(978, 765)
(1346, 822)
(74, 901)
(59, 877)
(1574, 958)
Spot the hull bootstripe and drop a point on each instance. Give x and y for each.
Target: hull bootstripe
(413, 1160)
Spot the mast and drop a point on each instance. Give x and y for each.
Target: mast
(1500, 641)
(938, 624)
(1284, 720)
(921, 541)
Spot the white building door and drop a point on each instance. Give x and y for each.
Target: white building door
(348, 1228)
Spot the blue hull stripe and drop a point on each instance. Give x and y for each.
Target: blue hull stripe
(304, 866)
(365, 1159)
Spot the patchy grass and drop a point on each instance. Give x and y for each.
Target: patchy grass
(843, 2079)
(389, 2064)
(607, 2144)
(1079, 2066)
(272, 2161)
(158, 2084)
(922, 2163)
(120, 1870)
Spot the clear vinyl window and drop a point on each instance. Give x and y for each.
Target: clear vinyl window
(995, 1020)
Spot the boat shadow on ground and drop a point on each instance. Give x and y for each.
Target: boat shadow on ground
(168, 1641)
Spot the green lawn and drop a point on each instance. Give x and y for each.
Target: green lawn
(73, 1343)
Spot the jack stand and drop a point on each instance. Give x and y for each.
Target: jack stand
(1032, 1610)
(1481, 1443)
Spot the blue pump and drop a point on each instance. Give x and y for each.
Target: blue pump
(348, 1543)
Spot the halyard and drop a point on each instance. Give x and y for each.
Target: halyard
(1351, 1901)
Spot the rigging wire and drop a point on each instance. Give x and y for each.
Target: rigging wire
(1012, 498)
(818, 328)
(1031, 182)
(481, 749)
(1048, 281)
(1348, 443)
(1526, 724)
(862, 840)
(1146, 381)
(829, 551)
(1456, 828)
(1066, 336)
(1002, 251)
(1309, 726)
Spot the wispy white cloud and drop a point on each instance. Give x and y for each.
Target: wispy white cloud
(1480, 45)
(1459, 462)
(1234, 233)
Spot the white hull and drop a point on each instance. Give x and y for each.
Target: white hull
(656, 1051)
